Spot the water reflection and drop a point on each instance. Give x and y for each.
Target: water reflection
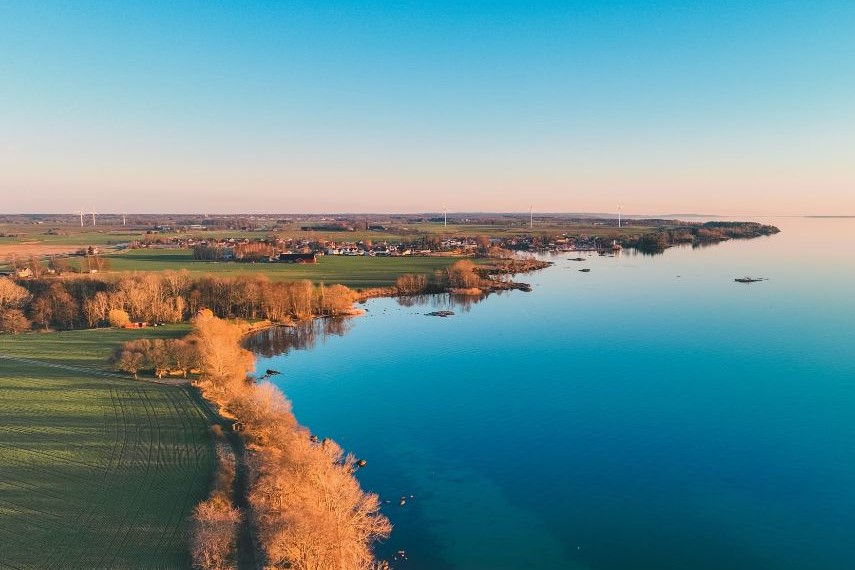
(437, 301)
(282, 340)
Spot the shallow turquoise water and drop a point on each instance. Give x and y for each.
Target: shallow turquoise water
(650, 414)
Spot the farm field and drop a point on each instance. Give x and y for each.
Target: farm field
(72, 234)
(355, 272)
(97, 471)
(63, 235)
(88, 348)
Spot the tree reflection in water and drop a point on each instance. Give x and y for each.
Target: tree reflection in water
(436, 301)
(282, 340)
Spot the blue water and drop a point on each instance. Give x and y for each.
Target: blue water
(650, 414)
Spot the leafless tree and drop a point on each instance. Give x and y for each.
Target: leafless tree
(12, 295)
(14, 321)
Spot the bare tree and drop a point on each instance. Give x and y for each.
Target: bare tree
(184, 355)
(14, 321)
(410, 284)
(462, 274)
(214, 535)
(130, 360)
(224, 362)
(12, 295)
(36, 267)
(41, 311)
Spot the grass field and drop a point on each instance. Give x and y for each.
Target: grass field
(89, 348)
(356, 272)
(95, 472)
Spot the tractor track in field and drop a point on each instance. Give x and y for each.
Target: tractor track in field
(138, 400)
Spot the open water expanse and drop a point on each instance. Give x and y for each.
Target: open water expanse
(649, 414)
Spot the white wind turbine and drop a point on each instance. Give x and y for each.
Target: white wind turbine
(80, 211)
(444, 216)
(531, 216)
(93, 212)
(619, 208)
(124, 221)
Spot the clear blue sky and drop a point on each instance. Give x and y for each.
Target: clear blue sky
(713, 107)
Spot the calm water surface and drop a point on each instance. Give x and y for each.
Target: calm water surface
(650, 414)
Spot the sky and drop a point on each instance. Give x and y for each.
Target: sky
(716, 107)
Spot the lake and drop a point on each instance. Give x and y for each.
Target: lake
(649, 414)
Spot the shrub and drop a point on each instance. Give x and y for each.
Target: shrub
(118, 318)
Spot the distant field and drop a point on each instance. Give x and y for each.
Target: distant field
(33, 239)
(34, 247)
(95, 472)
(75, 238)
(106, 235)
(356, 272)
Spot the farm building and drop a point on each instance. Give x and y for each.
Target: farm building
(298, 257)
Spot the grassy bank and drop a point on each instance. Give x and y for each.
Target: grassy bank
(97, 472)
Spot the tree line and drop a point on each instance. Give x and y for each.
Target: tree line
(159, 356)
(307, 508)
(174, 296)
(163, 297)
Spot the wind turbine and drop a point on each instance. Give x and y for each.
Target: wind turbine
(124, 222)
(444, 216)
(619, 208)
(531, 216)
(93, 217)
(80, 211)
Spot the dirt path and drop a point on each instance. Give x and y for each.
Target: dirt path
(248, 549)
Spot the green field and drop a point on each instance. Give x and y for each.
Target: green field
(75, 235)
(95, 472)
(356, 272)
(89, 348)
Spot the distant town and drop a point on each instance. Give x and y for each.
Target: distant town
(53, 239)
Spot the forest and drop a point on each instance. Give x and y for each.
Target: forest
(163, 297)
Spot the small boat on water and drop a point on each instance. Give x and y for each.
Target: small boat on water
(749, 279)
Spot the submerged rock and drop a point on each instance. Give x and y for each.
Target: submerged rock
(440, 314)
